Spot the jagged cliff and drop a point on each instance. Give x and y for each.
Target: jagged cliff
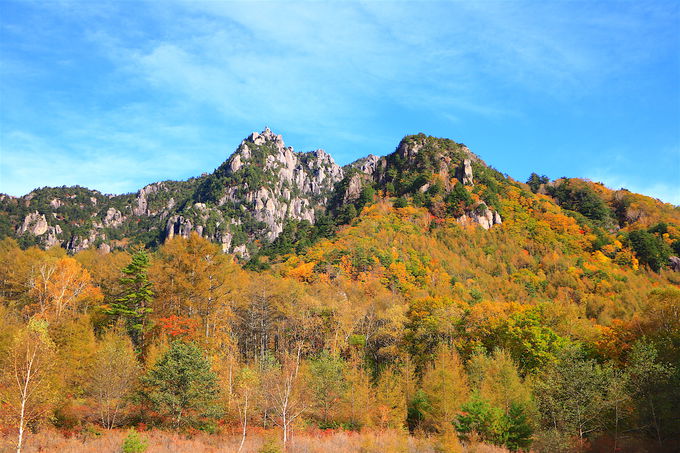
(261, 186)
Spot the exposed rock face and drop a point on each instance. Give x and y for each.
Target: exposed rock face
(366, 164)
(464, 173)
(241, 251)
(35, 224)
(142, 204)
(178, 226)
(53, 234)
(354, 186)
(225, 240)
(482, 216)
(77, 243)
(674, 263)
(114, 218)
(292, 187)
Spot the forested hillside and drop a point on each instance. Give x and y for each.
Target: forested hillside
(421, 294)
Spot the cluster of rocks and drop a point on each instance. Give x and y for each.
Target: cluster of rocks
(36, 224)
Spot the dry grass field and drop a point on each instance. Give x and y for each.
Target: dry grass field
(304, 442)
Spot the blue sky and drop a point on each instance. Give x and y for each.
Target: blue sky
(115, 95)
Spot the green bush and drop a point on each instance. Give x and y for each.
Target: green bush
(510, 429)
(134, 443)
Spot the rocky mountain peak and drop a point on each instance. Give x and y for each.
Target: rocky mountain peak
(265, 136)
(426, 169)
(263, 185)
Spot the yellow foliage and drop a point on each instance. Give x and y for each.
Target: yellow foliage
(601, 257)
(303, 272)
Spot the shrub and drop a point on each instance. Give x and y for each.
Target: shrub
(134, 443)
(270, 445)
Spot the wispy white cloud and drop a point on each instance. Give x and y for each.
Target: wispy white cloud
(94, 159)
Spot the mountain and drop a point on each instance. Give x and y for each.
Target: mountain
(247, 199)
(422, 289)
(266, 198)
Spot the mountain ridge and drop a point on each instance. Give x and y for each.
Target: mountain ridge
(264, 187)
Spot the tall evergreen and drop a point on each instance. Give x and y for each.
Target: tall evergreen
(133, 304)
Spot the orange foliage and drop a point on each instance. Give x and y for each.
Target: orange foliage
(178, 326)
(61, 285)
(303, 272)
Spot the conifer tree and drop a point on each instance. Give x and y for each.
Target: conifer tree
(182, 386)
(133, 304)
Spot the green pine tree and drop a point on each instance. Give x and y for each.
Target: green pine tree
(519, 428)
(133, 304)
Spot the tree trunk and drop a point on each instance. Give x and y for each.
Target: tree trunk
(245, 422)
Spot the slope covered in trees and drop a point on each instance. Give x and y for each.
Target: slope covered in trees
(556, 328)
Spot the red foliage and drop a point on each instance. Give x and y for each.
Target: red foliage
(179, 326)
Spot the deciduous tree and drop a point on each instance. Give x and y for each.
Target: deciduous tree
(287, 392)
(27, 378)
(61, 285)
(114, 376)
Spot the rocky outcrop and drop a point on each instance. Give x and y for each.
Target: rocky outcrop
(114, 218)
(366, 165)
(674, 263)
(241, 251)
(35, 224)
(178, 226)
(482, 216)
(464, 173)
(294, 185)
(142, 203)
(354, 185)
(53, 236)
